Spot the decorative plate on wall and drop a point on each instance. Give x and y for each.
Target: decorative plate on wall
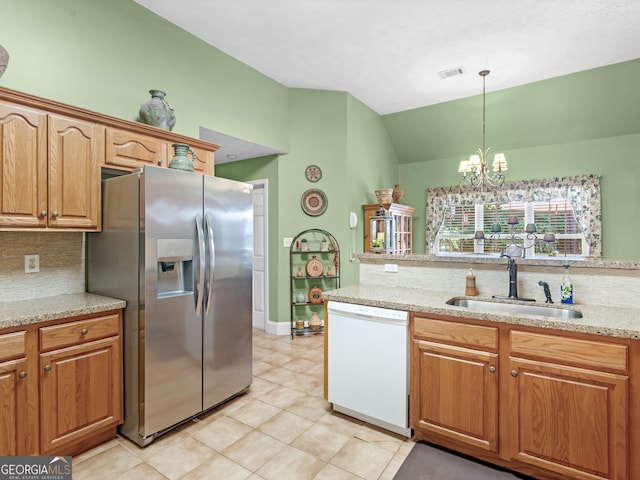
(313, 202)
(313, 173)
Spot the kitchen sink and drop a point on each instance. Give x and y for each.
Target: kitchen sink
(514, 308)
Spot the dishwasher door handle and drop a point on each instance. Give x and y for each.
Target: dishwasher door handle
(351, 316)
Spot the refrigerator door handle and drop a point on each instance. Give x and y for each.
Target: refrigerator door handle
(212, 261)
(201, 253)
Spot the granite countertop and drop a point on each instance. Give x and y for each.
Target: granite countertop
(25, 312)
(597, 319)
(494, 258)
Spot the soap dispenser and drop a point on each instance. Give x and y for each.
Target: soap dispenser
(471, 284)
(566, 287)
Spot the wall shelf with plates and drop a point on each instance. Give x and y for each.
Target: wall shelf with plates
(314, 257)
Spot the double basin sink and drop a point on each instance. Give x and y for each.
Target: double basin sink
(515, 308)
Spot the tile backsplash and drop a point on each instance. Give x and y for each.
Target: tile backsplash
(596, 286)
(62, 265)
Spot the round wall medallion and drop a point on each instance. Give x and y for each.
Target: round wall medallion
(313, 202)
(313, 173)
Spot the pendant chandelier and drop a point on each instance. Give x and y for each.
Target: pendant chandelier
(475, 171)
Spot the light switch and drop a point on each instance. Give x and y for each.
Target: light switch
(286, 241)
(31, 263)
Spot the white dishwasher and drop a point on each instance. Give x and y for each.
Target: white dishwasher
(368, 364)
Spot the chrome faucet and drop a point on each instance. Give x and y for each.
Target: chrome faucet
(513, 279)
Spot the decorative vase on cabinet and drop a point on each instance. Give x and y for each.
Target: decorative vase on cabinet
(181, 160)
(398, 193)
(157, 111)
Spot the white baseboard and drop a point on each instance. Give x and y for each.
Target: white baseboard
(278, 328)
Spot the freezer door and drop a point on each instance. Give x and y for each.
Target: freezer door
(228, 216)
(170, 329)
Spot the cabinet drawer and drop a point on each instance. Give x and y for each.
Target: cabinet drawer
(476, 336)
(72, 333)
(588, 353)
(13, 345)
(130, 151)
(204, 162)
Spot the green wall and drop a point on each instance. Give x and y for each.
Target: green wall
(105, 56)
(347, 140)
(583, 123)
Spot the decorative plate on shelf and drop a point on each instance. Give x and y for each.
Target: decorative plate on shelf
(315, 295)
(314, 202)
(314, 267)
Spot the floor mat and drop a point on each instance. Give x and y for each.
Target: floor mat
(428, 462)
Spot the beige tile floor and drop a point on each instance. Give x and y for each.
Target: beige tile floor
(281, 429)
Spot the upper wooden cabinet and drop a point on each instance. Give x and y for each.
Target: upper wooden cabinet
(23, 170)
(127, 150)
(50, 170)
(51, 157)
(76, 150)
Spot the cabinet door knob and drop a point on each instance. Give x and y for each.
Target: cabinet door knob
(22, 374)
(492, 369)
(84, 331)
(47, 368)
(514, 373)
(55, 214)
(43, 213)
(159, 161)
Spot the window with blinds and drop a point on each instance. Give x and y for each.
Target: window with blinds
(460, 222)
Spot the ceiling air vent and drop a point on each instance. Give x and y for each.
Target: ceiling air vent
(452, 72)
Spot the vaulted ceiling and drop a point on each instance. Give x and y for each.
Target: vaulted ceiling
(389, 53)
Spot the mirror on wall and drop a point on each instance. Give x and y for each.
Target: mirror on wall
(546, 218)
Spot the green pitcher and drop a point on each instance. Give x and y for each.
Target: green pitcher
(181, 161)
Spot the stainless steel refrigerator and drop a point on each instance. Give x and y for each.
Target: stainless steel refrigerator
(177, 246)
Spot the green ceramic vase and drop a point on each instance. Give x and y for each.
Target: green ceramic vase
(157, 111)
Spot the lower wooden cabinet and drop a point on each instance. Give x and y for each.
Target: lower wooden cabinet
(14, 394)
(456, 395)
(64, 394)
(552, 405)
(80, 393)
(569, 404)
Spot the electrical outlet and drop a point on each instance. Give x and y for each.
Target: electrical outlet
(286, 241)
(391, 267)
(31, 263)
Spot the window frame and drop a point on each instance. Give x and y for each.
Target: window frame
(582, 192)
(527, 213)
